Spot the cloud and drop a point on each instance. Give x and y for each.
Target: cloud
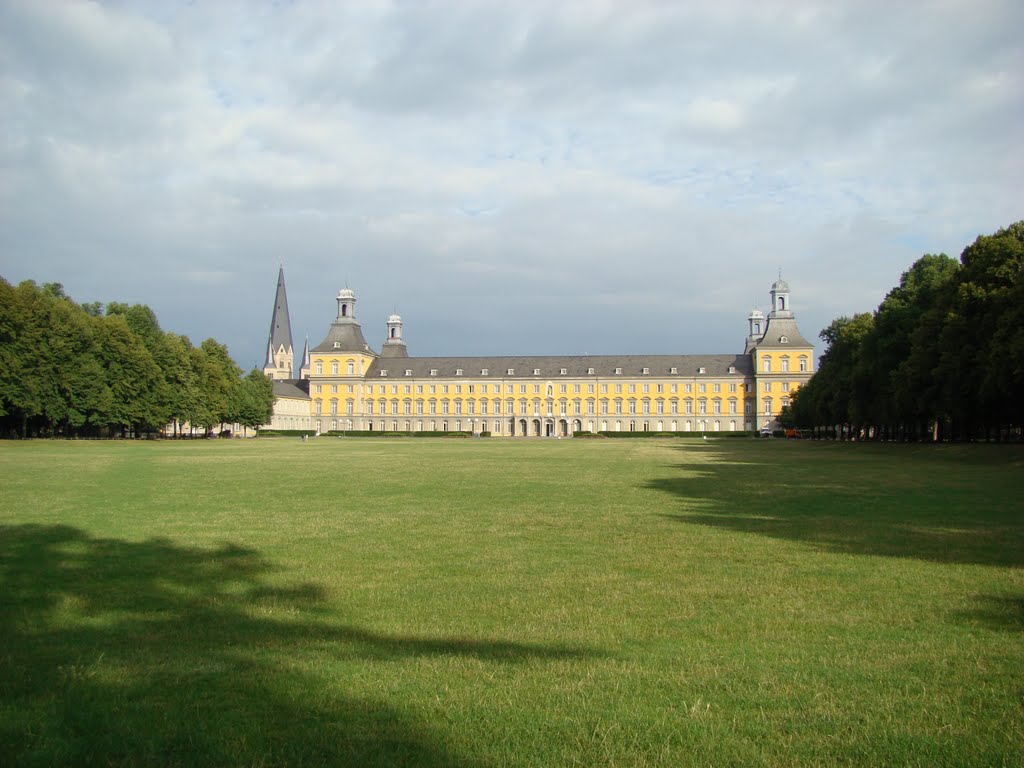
(539, 176)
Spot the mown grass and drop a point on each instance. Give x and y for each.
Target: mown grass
(511, 603)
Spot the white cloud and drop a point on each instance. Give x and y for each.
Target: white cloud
(586, 169)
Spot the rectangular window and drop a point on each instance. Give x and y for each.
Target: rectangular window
(444, 407)
(349, 407)
(688, 388)
(702, 388)
(732, 387)
(590, 389)
(732, 406)
(661, 407)
(522, 389)
(767, 386)
(394, 407)
(419, 407)
(718, 387)
(334, 407)
(618, 406)
(716, 407)
(562, 388)
(604, 407)
(675, 407)
(689, 407)
(458, 389)
(785, 364)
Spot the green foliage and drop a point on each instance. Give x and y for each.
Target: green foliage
(74, 370)
(943, 353)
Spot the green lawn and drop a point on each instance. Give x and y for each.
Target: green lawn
(511, 603)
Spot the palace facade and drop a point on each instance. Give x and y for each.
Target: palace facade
(343, 384)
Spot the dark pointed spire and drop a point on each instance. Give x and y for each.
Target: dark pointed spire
(280, 324)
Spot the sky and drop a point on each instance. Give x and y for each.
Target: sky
(587, 177)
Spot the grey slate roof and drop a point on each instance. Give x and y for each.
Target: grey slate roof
(575, 366)
(292, 388)
(345, 335)
(779, 327)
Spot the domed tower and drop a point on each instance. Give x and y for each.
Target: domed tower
(780, 299)
(783, 359)
(755, 323)
(394, 345)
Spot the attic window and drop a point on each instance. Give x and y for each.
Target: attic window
(618, 371)
(673, 370)
(483, 372)
(702, 369)
(562, 371)
(383, 371)
(458, 371)
(510, 372)
(433, 371)
(646, 371)
(408, 372)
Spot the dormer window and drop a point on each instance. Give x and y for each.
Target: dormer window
(337, 345)
(702, 369)
(458, 371)
(732, 369)
(590, 371)
(536, 371)
(483, 372)
(433, 371)
(618, 371)
(408, 372)
(646, 371)
(562, 371)
(383, 371)
(783, 340)
(673, 370)
(510, 372)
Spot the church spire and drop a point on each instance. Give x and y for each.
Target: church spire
(280, 353)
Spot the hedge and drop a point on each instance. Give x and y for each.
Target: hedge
(607, 433)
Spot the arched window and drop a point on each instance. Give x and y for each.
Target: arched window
(344, 310)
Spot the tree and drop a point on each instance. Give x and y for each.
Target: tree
(254, 400)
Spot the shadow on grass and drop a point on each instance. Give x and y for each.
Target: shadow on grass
(860, 501)
(998, 612)
(151, 653)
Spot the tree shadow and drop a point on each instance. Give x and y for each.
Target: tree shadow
(153, 653)
(999, 612)
(844, 506)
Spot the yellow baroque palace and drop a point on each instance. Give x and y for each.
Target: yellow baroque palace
(344, 384)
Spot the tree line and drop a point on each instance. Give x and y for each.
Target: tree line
(942, 358)
(89, 370)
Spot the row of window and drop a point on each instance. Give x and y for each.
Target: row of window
(563, 389)
(534, 427)
(537, 407)
(802, 362)
(766, 365)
